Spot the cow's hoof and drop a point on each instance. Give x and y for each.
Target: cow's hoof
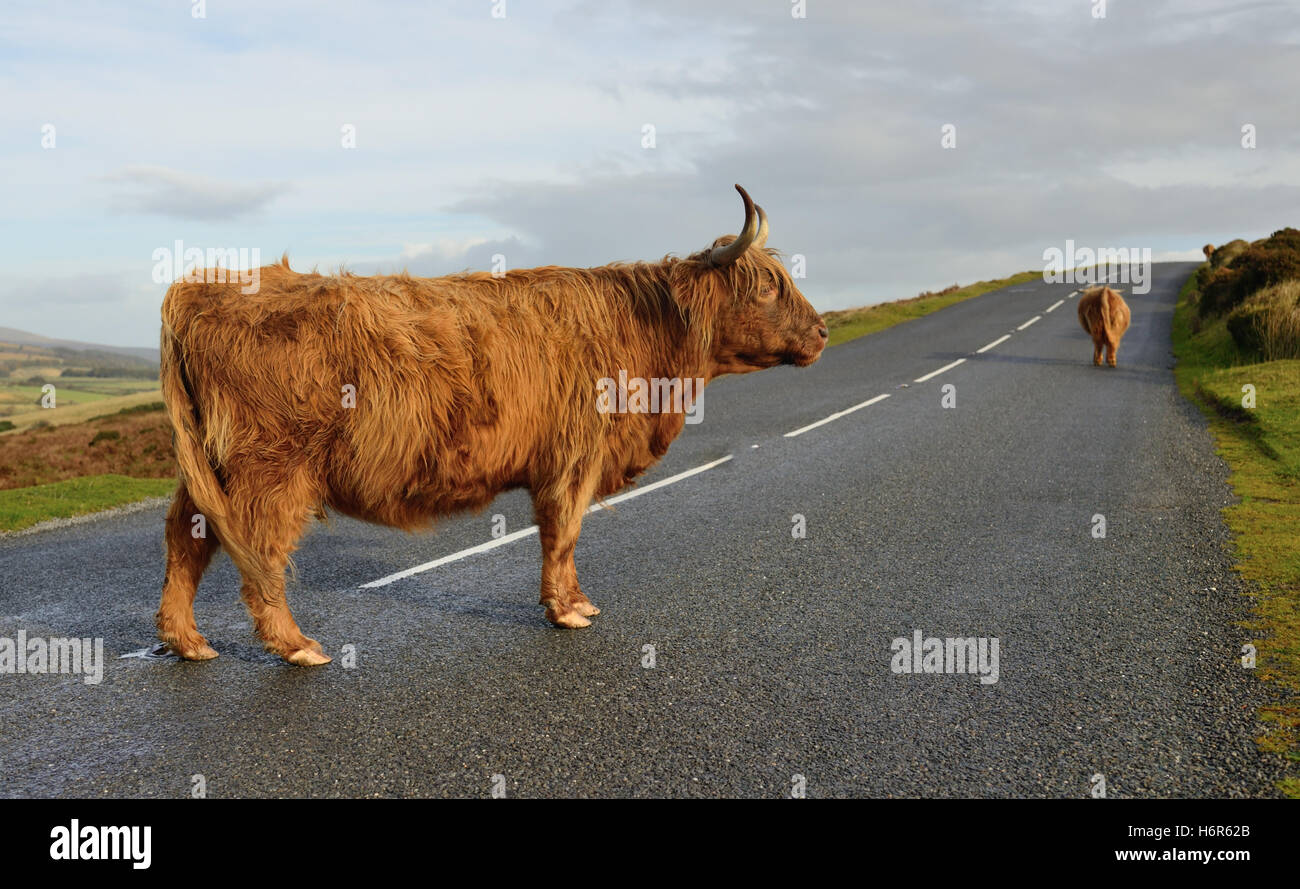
(586, 609)
(200, 652)
(570, 619)
(306, 657)
(191, 647)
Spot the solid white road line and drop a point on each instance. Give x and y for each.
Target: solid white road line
(1029, 322)
(802, 429)
(1056, 305)
(532, 529)
(997, 342)
(935, 373)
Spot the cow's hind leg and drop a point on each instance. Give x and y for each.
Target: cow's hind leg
(188, 556)
(1112, 351)
(1096, 351)
(274, 515)
(559, 512)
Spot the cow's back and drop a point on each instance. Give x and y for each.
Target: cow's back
(399, 397)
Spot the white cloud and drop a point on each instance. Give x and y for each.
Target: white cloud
(149, 189)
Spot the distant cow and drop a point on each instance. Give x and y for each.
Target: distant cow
(396, 400)
(1208, 250)
(1105, 316)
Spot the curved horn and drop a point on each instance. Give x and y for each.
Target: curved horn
(729, 253)
(761, 238)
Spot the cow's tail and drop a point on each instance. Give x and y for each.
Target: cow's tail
(195, 468)
(1108, 297)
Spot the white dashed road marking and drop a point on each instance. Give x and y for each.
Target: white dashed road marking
(1055, 305)
(637, 492)
(935, 373)
(802, 429)
(654, 486)
(532, 529)
(454, 557)
(997, 342)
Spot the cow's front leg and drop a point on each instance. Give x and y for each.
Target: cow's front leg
(559, 522)
(577, 597)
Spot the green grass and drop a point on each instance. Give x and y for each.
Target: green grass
(106, 386)
(20, 398)
(849, 324)
(30, 396)
(1261, 446)
(69, 412)
(22, 507)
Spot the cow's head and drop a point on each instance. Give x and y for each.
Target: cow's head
(744, 305)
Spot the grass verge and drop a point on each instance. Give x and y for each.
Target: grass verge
(23, 507)
(849, 324)
(1261, 445)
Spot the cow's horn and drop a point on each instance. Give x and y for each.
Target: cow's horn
(761, 238)
(729, 253)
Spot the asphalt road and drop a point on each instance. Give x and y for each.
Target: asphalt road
(1117, 656)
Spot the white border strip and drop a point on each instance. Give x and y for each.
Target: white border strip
(802, 429)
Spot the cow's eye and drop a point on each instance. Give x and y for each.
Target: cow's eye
(766, 294)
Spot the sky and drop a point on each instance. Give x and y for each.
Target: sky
(487, 127)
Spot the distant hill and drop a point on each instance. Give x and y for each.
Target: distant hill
(23, 338)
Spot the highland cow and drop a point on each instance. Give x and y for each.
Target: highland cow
(1105, 316)
(396, 400)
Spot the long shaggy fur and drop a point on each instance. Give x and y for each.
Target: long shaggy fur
(464, 386)
(1105, 317)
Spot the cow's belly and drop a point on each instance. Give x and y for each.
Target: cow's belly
(416, 506)
(413, 492)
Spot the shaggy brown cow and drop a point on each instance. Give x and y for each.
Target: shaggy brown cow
(1105, 316)
(1208, 250)
(396, 400)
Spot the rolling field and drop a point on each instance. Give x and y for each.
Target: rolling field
(86, 385)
